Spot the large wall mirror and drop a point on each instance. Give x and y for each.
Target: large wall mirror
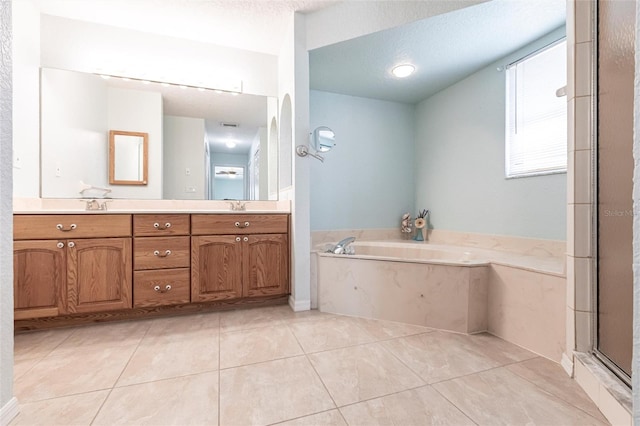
(190, 133)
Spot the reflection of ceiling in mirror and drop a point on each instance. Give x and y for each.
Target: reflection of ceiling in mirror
(248, 111)
(229, 172)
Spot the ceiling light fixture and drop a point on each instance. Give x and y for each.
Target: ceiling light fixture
(230, 144)
(404, 70)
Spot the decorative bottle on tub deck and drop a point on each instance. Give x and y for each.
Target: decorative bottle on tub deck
(405, 226)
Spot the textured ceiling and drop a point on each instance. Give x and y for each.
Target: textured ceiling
(256, 25)
(444, 48)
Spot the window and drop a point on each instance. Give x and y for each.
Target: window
(536, 134)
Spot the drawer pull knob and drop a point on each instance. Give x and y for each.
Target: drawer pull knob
(237, 239)
(61, 227)
(162, 290)
(71, 244)
(60, 245)
(165, 254)
(242, 225)
(246, 239)
(160, 227)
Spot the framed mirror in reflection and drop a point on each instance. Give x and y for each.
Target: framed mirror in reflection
(189, 132)
(128, 154)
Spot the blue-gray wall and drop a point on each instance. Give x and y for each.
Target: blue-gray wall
(459, 162)
(367, 180)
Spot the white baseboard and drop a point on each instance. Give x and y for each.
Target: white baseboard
(567, 364)
(299, 305)
(9, 411)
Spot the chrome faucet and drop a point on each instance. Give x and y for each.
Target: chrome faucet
(94, 204)
(238, 205)
(341, 247)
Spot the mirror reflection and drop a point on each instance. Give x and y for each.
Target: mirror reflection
(128, 158)
(323, 139)
(190, 132)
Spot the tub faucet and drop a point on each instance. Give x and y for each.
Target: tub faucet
(341, 247)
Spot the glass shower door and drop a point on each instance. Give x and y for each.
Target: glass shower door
(615, 88)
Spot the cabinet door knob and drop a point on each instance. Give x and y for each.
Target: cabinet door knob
(71, 244)
(238, 239)
(167, 287)
(246, 239)
(61, 227)
(242, 225)
(162, 227)
(165, 254)
(60, 245)
(156, 288)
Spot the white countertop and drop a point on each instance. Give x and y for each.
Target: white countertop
(114, 206)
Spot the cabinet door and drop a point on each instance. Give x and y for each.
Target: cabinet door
(266, 265)
(216, 268)
(39, 278)
(99, 274)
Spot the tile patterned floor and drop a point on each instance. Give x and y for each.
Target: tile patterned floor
(273, 366)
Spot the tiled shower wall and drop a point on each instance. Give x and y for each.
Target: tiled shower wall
(580, 41)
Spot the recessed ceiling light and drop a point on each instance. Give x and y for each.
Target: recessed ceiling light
(230, 144)
(404, 70)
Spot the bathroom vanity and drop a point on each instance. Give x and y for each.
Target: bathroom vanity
(86, 267)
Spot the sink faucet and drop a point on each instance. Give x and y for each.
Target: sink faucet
(94, 204)
(341, 247)
(237, 205)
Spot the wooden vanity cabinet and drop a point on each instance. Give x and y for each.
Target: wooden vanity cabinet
(93, 263)
(161, 259)
(61, 265)
(248, 256)
(39, 279)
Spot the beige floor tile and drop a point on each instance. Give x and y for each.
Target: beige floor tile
(172, 329)
(551, 377)
(499, 350)
(22, 366)
(38, 344)
(244, 319)
(102, 336)
(335, 333)
(291, 316)
(197, 353)
(190, 400)
(257, 345)
(67, 410)
(419, 407)
(86, 371)
(499, 397)
(383, 330)
(439, 356)
(270, 392)
(361, 372)
(327, 418)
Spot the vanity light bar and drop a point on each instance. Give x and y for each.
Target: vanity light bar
(165, 84)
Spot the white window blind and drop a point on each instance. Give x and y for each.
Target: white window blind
(536, 134)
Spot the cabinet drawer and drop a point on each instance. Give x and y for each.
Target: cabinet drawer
(161, 252)
(225, 224)
(159, 225)
(64, 226)
(157, 288)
